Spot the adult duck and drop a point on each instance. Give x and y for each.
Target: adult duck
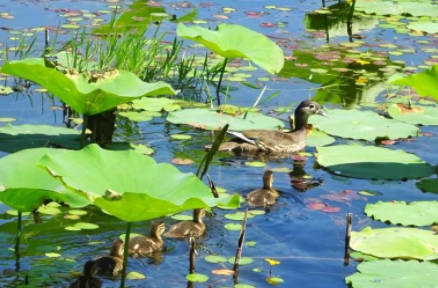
(264, 196)
(275, 142)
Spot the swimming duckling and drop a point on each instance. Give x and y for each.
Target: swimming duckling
(89, 279)
(193, 228)
(264, 196)
(271, 141)
(112, 263)
(141, 245)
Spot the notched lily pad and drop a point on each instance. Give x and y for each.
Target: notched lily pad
(414, 114)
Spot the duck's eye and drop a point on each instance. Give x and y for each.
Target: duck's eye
(312, 106)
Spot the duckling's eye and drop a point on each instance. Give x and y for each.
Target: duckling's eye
(312, 106)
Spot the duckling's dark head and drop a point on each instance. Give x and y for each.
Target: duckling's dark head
(309, 107)
(157, 228)
(91, 268)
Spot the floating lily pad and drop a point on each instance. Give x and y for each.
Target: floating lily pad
(372, 162)
(414, 114)
(318, 138)
(238, 216)
(394, 274)
(16, 138)
(235, 41)
(72, 228)
(209, 119)
(428, 185)
(156, 104)
(197, 277)
(135, 116)
(180, 136)
(7, 119)
(428, 27)
(87, 226)
(366, 125)
(257, 164)
(233, 226)
(5, 90)
(49, 210)
(182, 217)
(127, 192)
(419, 213)
(243, 260)
(414, 8)
(135, 276)
(396, 242)
(85, 95)
(215, 259)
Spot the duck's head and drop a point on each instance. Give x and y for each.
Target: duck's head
(268, 179)
(118, 248)
(91, 268)
(309, 107)
(157, 228)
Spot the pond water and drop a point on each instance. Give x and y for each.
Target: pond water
(309, 243)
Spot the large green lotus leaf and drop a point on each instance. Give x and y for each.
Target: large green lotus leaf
(212, 120)
(394, 274)
(428, 185)
(24, 186)
(424, 83)
(419, 213)
(16, 138)
(424, 115)
(235, 41)
(85, 96)
(129, 185)
(414, 8)
(318, 138)
(365, 125)
(396, 242)
(372, 162)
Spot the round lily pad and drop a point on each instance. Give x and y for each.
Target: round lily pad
(428, 185)
(211, 120)
(365, 125)
(233, 226)
(77, 212)
(87, 226)
(49, 210)
(243, 260)
(7, 119)
(419, 213)
(135, 276)
(182, 217)
(238, 216)
(396, 242)
(318, 138)
(197, 277)
(180, 136)
(72, 228)
(372, 162)
(414, 114)
(215, 259)
(257, 164)
(394, 274)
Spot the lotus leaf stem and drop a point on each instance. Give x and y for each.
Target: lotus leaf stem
(17, 243)
(218, 88)
(84, 130)
(125, 254)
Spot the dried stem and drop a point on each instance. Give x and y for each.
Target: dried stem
(348, 238)
(240, 244)
(192, 254)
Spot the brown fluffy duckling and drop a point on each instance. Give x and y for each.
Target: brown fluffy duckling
(112, 263)
(89, 279)
(141, 245)
(193, 228)
(275, 142)
(265, 196)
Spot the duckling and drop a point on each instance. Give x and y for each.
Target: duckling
(112, 263)
(89, 279)
(141, 245)
(271, 141)
(193, 228)
(264, 196)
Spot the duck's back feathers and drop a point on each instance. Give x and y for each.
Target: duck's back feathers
(109, 265)
(142, 245)
(262, 197)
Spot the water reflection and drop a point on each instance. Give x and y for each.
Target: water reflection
(302, 181)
